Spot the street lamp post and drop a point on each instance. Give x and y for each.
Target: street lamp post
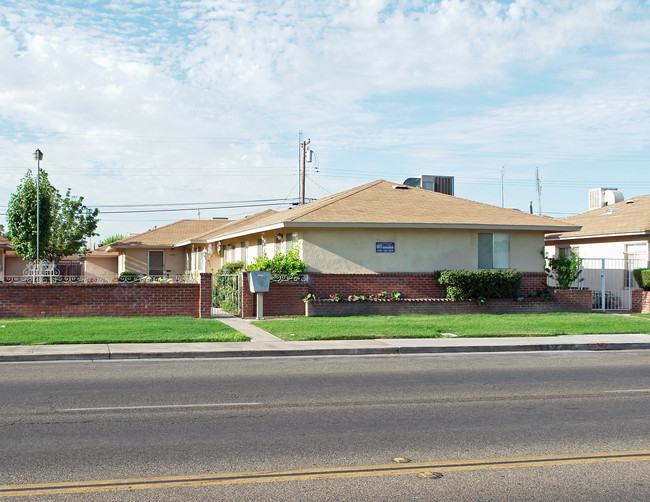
(38, 156)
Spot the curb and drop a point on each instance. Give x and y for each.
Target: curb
(324, 351)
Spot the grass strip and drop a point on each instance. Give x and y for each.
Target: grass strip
(60, 330)
(479, 325)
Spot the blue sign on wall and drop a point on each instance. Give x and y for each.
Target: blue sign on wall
(385, 247)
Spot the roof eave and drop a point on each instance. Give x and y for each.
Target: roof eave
(460, 226)
(596, 236)
(241, 233)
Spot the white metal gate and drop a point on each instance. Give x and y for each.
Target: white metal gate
(611, 282)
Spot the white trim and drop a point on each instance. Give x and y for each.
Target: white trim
(460, 226)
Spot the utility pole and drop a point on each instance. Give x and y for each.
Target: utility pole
(38, 156)
(303, 145)
(299, 164)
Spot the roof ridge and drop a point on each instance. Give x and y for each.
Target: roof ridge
(337, 197)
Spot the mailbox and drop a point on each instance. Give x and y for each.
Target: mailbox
(259, 281)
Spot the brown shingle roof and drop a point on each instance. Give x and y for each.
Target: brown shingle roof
(379, 204)
(4, 243)
(232, 226)
(100, 252)
(169, 235)
(631, 216)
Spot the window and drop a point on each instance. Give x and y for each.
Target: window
(635, 257)
(261, 246)
(493, 250)
(564, 252)
(291, 240)
(244, 251)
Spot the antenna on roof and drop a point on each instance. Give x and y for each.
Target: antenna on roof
(539, 191)
(198, 214)
(502, 201)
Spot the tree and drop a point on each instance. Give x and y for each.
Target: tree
(21, 215)
(111, 239)
(72, 224)
(64, 224)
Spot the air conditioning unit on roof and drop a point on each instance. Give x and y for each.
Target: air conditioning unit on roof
(601, 197)
(441, 184)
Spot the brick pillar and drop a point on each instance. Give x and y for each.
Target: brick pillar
(248, 303)
(205, 296)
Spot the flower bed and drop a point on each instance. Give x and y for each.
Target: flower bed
(578, 301)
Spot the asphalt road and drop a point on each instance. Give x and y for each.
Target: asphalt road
(541, 426)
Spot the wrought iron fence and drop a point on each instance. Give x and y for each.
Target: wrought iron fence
(50, 273)
(226, 293)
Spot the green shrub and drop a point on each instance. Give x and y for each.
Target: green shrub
(642, 277)
(281, 264)
(479, 284)
(231, 268)
(564, 270)
(128, 276)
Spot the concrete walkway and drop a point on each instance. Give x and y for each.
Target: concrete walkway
(246, 328)
(264, 344)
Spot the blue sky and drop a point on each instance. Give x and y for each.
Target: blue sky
(198, 104)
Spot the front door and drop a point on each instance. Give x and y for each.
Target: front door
(156, 265)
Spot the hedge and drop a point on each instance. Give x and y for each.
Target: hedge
(479, 284)
(642, 277)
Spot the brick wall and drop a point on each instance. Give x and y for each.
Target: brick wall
(411, 285)
(641, 301)
(283, 298)
(113, 300)
(531, 283)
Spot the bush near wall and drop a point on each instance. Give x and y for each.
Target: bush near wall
(642, 277)
(480, 285)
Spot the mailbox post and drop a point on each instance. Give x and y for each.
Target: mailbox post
(258, 282)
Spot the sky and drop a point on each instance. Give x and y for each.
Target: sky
(156, 111)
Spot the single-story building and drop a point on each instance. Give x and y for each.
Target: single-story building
(100, 264)
(612, 241)
(157, 252)
(384, 227)
(617, 231)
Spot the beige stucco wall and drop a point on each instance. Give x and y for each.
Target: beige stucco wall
(228, 255)
(104, 267)
(14, 266)
(137, 260)
(416, 250)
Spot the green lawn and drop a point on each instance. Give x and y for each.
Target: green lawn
(115, 330)
(344, 328)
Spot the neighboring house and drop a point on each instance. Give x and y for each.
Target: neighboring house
(157, 253)
(100, 264)
(616, 231)
(384, 227)
(12, 265)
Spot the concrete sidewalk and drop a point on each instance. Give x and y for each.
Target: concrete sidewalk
(264, 344)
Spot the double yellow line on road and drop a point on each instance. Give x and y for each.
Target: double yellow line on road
(304, 474)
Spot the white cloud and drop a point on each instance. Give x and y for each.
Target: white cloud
(166, 102)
